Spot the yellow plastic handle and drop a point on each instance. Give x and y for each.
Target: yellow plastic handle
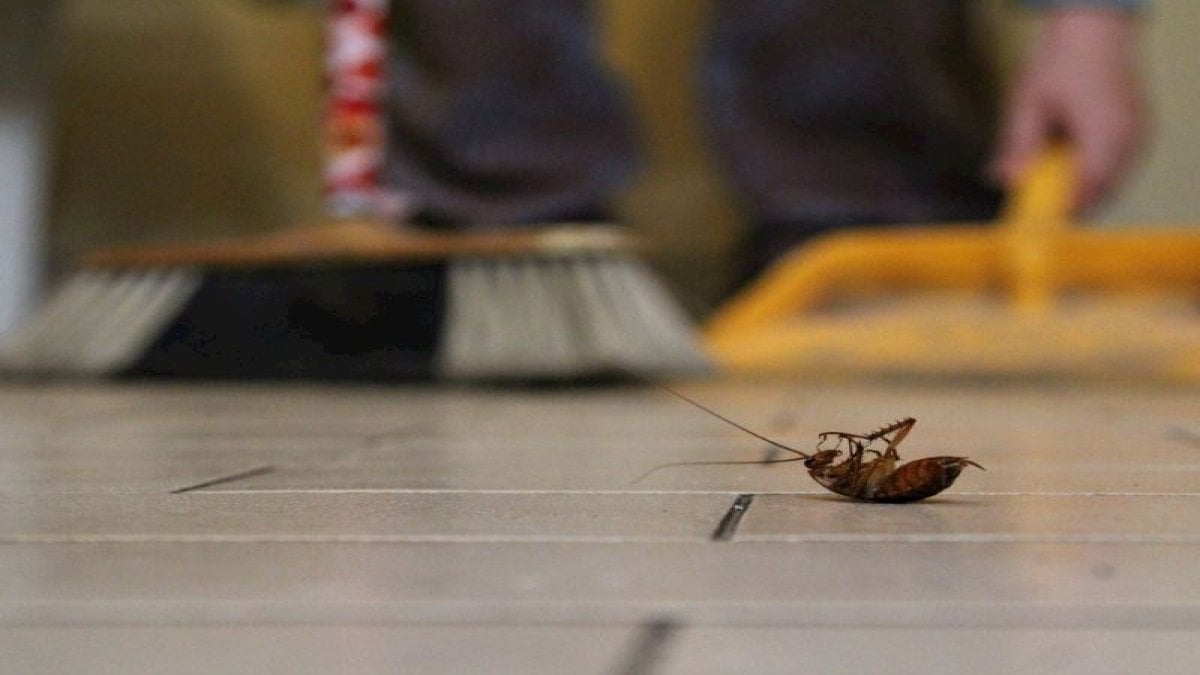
(1044, 194)
(1038, 210)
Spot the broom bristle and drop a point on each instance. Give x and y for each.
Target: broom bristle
(98, 322)
(554, 317)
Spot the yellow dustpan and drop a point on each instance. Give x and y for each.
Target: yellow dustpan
(1029, 295)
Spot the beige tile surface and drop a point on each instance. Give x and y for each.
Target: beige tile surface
(405, 522)
(839, 583)
(974, 517)
(131, 650)
(532, 468)
(918, 652)
(39, 481)
(397, 516)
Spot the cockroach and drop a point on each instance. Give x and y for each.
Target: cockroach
(880, 478)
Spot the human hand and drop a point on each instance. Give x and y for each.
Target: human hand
(1080, 84)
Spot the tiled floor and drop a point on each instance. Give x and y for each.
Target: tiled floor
(202, 528)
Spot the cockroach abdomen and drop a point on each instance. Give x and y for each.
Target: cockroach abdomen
(921, 478)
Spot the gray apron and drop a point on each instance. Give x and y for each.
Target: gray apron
(827, 113)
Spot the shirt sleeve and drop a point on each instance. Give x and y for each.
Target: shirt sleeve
(1113, 4)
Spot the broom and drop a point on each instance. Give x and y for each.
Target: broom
(360, 299)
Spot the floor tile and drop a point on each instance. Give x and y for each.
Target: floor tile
(379, 517)
(921, 652)
(518, 650)
(820, 583)
(49, 478)
(515, 467)
(1031, 440)
(953, 517)
(507, 527)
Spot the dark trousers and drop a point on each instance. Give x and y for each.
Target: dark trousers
(826, 113)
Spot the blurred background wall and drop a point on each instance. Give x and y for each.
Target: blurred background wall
(26, 54)
(184, 118)
(189, 118)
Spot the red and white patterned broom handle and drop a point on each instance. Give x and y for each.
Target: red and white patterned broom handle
(356, 57)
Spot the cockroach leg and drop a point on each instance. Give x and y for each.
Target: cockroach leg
(901, 429)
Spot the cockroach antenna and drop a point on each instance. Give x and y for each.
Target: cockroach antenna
(799, 455)
(781, 446)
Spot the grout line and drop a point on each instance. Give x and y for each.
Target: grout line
(1085, 493)
(649, 650)
(513, 492)
(12, 539)
(971, 538)
(773, 493)
(1023, 612)
(729, 524)
(16, 539)
(249, 473)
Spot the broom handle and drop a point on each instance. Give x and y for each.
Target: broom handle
(1036, 215)
(355, 128)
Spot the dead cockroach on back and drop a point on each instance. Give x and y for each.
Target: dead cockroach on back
(874, 479)
(882, 479)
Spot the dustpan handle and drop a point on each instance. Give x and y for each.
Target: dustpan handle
(1037, 212)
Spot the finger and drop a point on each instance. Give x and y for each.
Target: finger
(1105, 145)
(1024, 135)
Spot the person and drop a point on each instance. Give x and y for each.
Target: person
(826, 113)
